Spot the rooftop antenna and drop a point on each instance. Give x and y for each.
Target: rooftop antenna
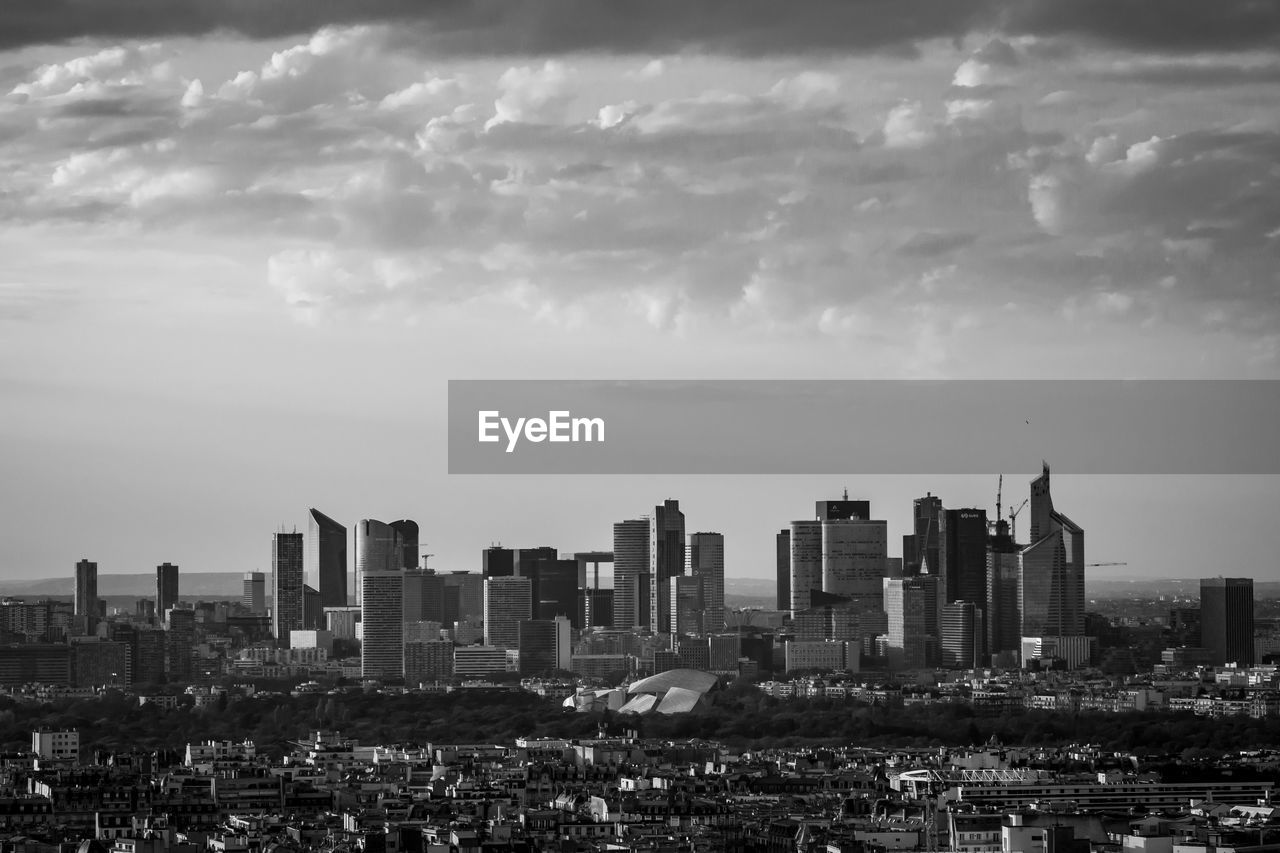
(999, 491)
(846, 493)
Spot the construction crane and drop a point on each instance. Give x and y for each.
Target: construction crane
(1013, 519)
(1091, 565)
(425, 557)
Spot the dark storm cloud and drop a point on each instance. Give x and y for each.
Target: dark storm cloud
(744, 27)
(1158, 25)
(516, 26)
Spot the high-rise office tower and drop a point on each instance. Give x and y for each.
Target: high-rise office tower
(382, 618)
(910, 604)
(1226, 619)
(962, 635)
(384, 547)
(326, 558)
(926, 527)
(507, 602)
(666, 561)
(1051, 570)
(86, 601)
(1003, 616)
(705, 558)
(287, 596)
(806, 563)
(854, 552)
(553, 582)
(166, 587)
(545, 645)
(254, 593)
(842, 510)
(631, 573)
(180, 641)
(783, 544)
(407, 531)
(687, 605)
(497, 562)
(964, 546)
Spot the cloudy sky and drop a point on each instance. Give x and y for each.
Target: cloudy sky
(245, 245)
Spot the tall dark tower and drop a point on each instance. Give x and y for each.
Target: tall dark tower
(287, 587)
(166, 587)
(408, 532)
(783, 541)
(86, 602)
(666, 561)
(1051, 569)
(1226, 619)
(326, 558)
(964, 541)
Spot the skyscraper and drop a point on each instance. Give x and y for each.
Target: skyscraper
(407, 531)
(384, 548)
(687, 605)
(287, 613)
(705, 557)
(926, 514)
(666, 560)
(962, 635)
(166, 587)
(631, 573)
(326, 558)
(783, 544)
(1003, 615)
(497, 562)
(86, 601)
(545, 645)
(964, 548)
(911, 606)
(254, 595)
(853, 558)
(806, 563)
(1051, 570)
(1226, 619)
(382, 618)
(507, 602)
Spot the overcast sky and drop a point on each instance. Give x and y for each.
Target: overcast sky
(245, 245)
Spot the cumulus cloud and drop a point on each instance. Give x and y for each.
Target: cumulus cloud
(533, 95)
(907, 126)
(121, 65)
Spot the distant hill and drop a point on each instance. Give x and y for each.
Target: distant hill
(190, 585)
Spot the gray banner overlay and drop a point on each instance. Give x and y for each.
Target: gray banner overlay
(864, 426)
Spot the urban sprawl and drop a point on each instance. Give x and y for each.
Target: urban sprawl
(962, 696)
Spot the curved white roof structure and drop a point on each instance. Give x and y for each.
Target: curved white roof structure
(687, 679)
(676, 691)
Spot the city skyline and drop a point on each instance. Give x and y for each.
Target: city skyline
(750, 550)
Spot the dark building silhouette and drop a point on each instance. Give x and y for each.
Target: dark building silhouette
(86, 600)
(497, 562)
(842, 510)
(288, 601)
(1003, 617)
(964, 545)
(666, 561)
(325, 558)
(783, 541)
(166, 587)
(1226, 619)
